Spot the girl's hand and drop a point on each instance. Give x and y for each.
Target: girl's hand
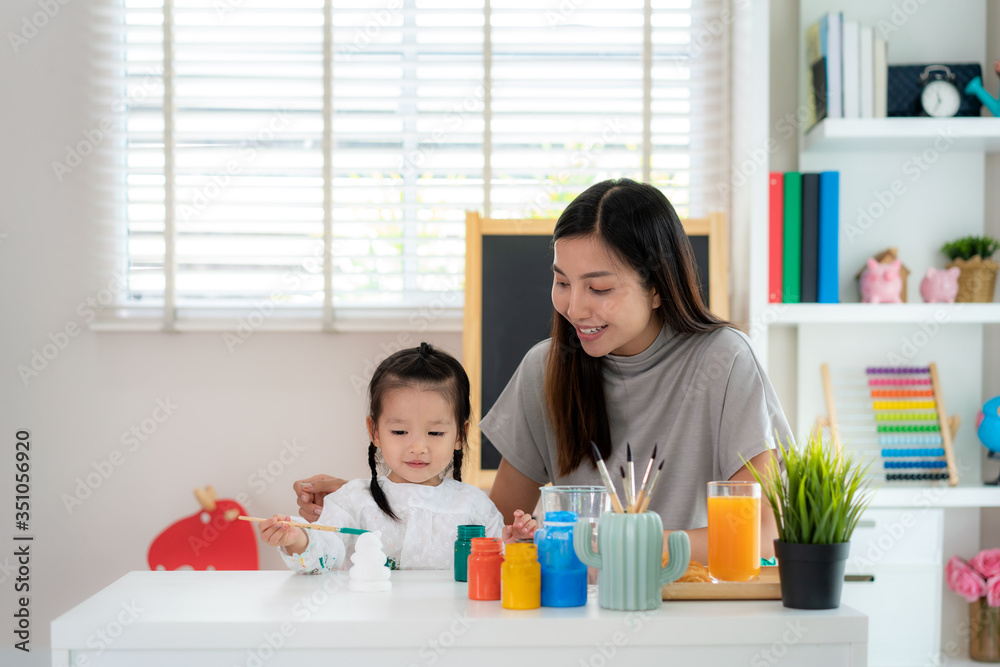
(277, 534)
(523, 528)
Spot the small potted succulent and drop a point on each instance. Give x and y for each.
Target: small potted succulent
(973, 256)
(817, 502)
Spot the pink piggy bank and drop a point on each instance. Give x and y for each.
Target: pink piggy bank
(940, 285)
(881, 283)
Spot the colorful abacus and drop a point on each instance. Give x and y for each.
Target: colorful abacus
(897, 417)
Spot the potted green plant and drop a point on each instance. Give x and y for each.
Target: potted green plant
(817, 502)
(972, 255)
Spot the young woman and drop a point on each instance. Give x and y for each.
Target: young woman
(635, 357)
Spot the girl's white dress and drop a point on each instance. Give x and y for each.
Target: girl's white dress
(423, 538)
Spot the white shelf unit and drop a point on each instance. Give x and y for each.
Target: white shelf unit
(882, 313)
(913, 184)
(903, 134)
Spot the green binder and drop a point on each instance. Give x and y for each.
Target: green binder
(791, 274)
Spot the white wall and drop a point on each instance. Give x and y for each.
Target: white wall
(234, 410)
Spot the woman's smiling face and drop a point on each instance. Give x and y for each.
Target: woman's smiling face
(602, 298)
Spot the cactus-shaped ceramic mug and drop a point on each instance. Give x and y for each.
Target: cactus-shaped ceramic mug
(630, 555)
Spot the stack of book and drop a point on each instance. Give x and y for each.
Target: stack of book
(847, 70)
(803, 237)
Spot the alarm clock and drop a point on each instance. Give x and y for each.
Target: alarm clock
(940, 97)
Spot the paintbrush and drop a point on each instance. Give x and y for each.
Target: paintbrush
(630, 482)
(616, 504)
(652, 485)
(641, 496)
(629, 507)
(310, 526)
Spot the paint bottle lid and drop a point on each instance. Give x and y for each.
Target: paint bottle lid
(467, 532)
(485, 545)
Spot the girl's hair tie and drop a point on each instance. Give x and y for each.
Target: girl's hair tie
(425, 349)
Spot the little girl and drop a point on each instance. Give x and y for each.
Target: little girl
(419, 423)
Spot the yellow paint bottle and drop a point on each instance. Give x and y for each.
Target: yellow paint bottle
(521, 577)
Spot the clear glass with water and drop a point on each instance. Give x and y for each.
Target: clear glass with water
(587, 502)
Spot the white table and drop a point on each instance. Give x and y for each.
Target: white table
(276, 618)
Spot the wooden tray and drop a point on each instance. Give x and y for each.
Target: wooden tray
(767, 587)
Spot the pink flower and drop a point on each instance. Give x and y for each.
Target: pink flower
(987, 562)
(964, 580)
(993, 591)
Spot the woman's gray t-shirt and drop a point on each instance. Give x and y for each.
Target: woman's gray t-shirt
(703, 398)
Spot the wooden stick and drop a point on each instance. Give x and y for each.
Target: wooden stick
(949, 453)
(616, 504)
(641, 496)
(630, 481)
(310, 526)
(652, 485)
(629, 506)
(831, 409)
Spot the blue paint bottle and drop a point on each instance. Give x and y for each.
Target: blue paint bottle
(564, 576)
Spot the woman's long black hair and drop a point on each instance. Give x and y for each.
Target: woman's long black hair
(427, 368)
(642, 230)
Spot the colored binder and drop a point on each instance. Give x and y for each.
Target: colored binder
(792, 238)
(774, 238)
(828, 279)
(810, 238)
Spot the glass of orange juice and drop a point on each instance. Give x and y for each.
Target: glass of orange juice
(733, 531)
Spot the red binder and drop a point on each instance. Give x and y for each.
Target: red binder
(775, 235)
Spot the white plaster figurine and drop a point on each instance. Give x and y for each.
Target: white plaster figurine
(369, 572)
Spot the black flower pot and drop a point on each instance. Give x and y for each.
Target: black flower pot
(812, 575)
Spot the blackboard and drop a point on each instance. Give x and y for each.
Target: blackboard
(517, 310)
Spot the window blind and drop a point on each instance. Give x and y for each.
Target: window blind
(308, 163)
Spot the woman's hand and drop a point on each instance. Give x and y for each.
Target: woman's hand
(278, 534)
(523, 528)
(310, 492)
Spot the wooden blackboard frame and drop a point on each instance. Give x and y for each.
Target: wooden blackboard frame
(476, 227)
